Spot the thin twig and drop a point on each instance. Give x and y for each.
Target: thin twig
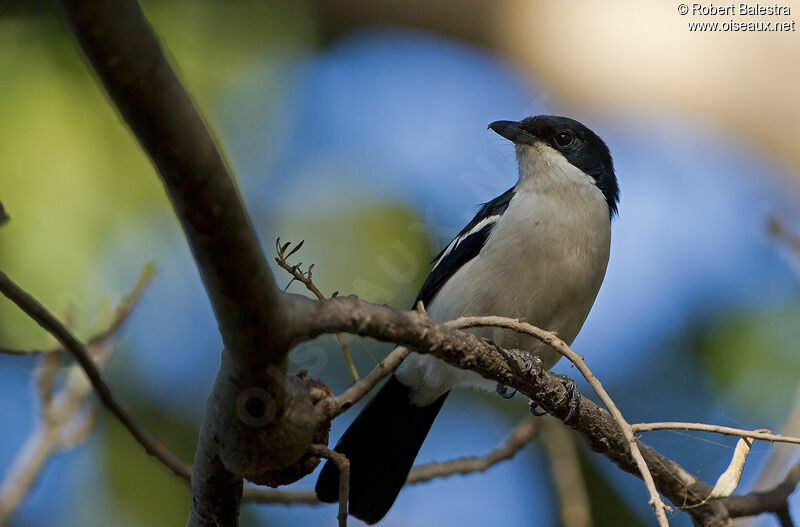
(520, 436)
(335, 406)
(265, 496)
(716, 429)
(343, 464)
(559, 345)
(64, 336)
(565, 470)
(305, 279)
(65, 418)
(121, 314)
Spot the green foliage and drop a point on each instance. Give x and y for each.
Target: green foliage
(754, 357)
(72, 177)
(140, 486)
(373, 251)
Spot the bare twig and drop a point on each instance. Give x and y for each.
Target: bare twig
(305, 279)
(64, 336)
(334, 406)
(343, 464)
(520, 436)
(126, 306)
(716, 429)
(121, 314)
(266, 496)
(565, 470)
(559, 345)
(65, 418)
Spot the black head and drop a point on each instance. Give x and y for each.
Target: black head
(579, 145)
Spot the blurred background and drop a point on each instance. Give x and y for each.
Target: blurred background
(360, 127)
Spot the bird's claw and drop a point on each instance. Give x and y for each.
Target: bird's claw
(532, 365)
(533, 405)
(574, 399)
(504, 392)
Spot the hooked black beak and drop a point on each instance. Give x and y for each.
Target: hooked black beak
(512, 130)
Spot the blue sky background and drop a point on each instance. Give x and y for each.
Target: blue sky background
(391, 118)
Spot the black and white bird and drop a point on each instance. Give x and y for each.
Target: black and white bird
(537, 252)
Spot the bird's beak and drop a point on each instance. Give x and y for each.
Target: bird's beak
(512, 131)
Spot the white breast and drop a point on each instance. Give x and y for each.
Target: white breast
(543, 262)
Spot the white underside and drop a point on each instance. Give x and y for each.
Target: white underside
(543, 262)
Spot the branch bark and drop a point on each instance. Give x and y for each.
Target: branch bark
(248, 414)
(600, 431)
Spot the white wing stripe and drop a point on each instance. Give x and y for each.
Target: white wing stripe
(478, 226)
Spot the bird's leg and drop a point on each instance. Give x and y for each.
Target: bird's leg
(533, 365)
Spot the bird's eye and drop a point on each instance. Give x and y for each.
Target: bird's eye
(563, 139)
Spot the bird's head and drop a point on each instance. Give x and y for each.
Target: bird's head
(552, 137)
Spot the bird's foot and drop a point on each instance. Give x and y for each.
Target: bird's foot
(531, 366)
(574, 401)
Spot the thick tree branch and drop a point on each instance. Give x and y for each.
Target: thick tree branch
(129, 62)
(248, 414)
(601, 432)
(773, 500)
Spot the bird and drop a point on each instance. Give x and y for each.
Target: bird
(537, 252)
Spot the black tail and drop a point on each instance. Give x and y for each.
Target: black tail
(381, 445)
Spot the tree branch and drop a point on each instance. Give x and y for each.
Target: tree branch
(601, 432)
(233, 443)
(773, 500)
(520, 436)
(559, 345)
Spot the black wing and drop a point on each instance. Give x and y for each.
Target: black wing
(464, 247)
